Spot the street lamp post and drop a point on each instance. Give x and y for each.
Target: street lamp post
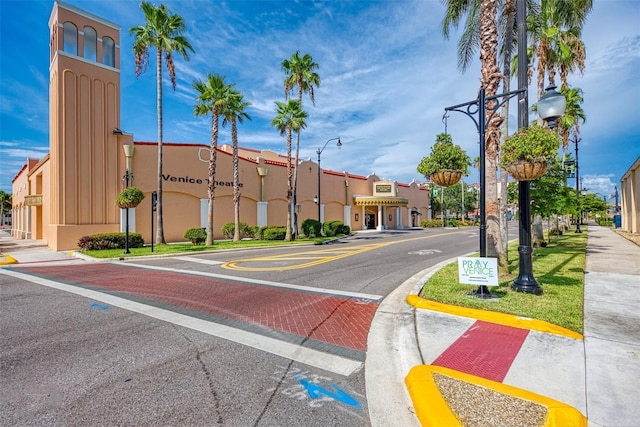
(576, 140)
(128, 177)
(550, 107)
(480, 106)
(319, 151)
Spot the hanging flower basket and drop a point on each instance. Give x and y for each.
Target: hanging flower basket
(446, 163)
(129, 198)
(446, 177)
(526, 154)
(527, 171)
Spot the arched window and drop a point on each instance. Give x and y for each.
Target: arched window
(108, 52)
(70, 38)
(90, 44)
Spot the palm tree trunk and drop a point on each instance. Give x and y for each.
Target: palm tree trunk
(295, 172)
(236, 180)
(287, 236)
(510, 11)
(160, 227)
(211, 184)
(295, 189)
(490, 80)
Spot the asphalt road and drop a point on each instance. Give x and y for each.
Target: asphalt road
(87, 345)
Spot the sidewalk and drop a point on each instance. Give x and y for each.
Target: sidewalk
(27, 251)
(595, 375)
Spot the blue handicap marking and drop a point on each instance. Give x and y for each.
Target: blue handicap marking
(315, 391)
(101, 307)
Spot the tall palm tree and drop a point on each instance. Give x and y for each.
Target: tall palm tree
(164, 32)
(214, 95)
(300, 72)
(234, 113)
(290, 117)
(481, 32)
(556, 29)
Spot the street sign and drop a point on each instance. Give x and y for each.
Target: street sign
(478, 271)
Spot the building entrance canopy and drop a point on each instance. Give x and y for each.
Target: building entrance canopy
(380, 201)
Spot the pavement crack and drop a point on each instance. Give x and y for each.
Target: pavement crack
(273, 394)
(209, 378)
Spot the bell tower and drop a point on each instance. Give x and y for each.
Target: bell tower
(84, 115)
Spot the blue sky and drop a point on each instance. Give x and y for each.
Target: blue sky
(386, 76)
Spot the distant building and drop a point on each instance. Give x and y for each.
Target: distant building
(71, 192)
(630, 196)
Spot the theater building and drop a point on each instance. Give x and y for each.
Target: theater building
(71, 192)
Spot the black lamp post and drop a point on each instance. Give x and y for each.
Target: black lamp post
(128, 177)
(319, 151)
(576, 140)
(550, 107)
(479, 107)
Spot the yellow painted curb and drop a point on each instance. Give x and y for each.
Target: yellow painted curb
(494, 317)
(433, 410)
(8, 259)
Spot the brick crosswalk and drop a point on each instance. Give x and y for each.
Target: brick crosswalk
(338, 321)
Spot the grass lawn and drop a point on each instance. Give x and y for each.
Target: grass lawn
(176, 248)
(559, 268)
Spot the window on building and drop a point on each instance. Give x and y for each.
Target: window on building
(70, 38)
(90, 44)
(108, 52)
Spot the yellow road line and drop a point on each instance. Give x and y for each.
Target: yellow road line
(318, 257)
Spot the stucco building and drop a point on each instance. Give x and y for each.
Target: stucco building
(630, 195)
(71, 192)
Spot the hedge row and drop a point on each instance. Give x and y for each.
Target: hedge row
(110, 241)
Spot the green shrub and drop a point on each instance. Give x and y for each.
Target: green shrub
(431, 223)
(335, 228)
(272, 232)
(246, 231)
(606, 222)
(110, 241)
(196, 235)
(452, 222)
(311, 227)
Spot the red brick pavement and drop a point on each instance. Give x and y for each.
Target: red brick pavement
(485, 350)
(331, 319)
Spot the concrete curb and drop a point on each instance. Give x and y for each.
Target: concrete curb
(392, 351)
(6, 259)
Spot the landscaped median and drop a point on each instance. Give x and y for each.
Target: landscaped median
(449, 397)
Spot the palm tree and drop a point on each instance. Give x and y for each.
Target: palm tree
(300, 73)
(234, 113)
(481, 31)
(290, 118)
(214, 95)
(556, 29)
(573, 115)
(163, 31)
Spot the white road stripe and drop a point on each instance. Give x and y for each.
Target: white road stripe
(329, 362)
(261, 282)
(200, 260)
